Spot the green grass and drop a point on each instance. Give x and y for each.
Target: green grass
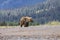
(14, 24)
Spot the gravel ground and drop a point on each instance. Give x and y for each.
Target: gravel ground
(42, 32)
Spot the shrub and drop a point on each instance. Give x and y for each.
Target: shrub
(34, 24)
(54, 23)
(3, 23)
(12, 23)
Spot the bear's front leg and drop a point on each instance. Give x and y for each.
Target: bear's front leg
(26, 24)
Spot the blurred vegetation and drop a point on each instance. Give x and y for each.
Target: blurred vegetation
(9, 23)
(42, 13)
(16, 24)
(30, 24)
(33, 24)
(3, 23)
(53, 23)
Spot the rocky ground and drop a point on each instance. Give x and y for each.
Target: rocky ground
(41, 32)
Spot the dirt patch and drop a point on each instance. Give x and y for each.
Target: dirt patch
(45, 32)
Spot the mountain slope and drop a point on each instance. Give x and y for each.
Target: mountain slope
(8, 4)
(42, 13)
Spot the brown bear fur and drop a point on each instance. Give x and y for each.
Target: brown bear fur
(25, 21)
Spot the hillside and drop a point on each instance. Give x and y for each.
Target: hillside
(42, 13)
(11, 4)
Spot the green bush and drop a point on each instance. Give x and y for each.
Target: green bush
(16, 23)
(3, 23)
(12, 23)
(34, 24)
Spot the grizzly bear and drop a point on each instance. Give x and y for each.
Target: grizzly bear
(25, 21)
